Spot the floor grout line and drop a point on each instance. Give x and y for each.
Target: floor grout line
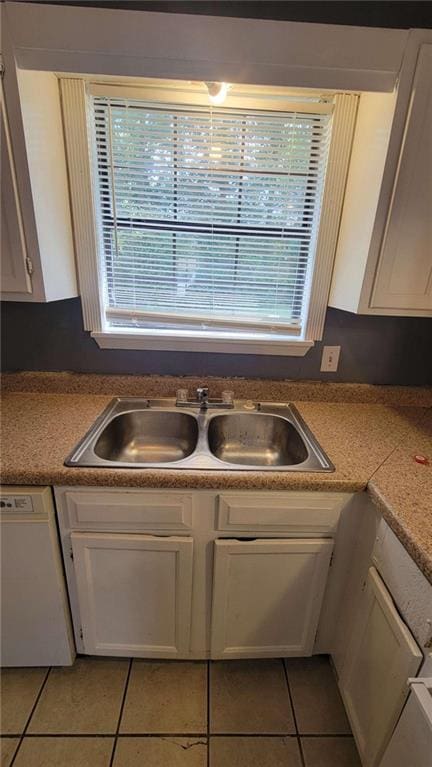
(162, 735)
(299, 743)
(121, 735)
(36, 735)
(38, 696)
(122, 705)
(256, 735)
(326, 735)
(208, 713)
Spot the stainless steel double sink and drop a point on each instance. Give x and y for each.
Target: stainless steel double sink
(138, 433)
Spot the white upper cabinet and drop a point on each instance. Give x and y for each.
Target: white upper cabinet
(38, 261)
(404, 275)
(15, 275)
(384, 254)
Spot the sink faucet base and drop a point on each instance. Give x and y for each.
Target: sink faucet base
(203, 401)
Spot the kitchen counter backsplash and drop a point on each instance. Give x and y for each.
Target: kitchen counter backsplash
(243, 388)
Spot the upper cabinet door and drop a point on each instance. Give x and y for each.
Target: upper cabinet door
(404, 275)
(36, 222)
(14, 274)
(267, 596)
(381, 656)
(134, 593)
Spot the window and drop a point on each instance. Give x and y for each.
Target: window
(207, 213)
(207, 218)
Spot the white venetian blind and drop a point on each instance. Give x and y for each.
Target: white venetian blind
(207, 214)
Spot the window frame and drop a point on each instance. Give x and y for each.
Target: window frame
(75, 93)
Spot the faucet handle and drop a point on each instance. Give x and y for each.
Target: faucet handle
(182, 395)
(227, 397)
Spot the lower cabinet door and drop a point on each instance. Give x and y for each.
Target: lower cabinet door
(381, 655)
(134, 593)
(267, 596)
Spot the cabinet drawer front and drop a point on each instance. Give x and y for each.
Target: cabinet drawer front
(129, 511)
(288, 513)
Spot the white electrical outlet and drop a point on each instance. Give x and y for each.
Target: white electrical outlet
(330, 359)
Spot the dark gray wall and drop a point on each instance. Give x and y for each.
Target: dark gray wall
(379, 350)
(402, 14)
(374, 349)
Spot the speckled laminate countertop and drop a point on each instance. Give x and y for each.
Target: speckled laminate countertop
(402, 491)
(370, 444)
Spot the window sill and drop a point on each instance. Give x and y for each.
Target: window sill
(222, 342)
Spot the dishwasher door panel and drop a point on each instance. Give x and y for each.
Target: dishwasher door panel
(35, 619)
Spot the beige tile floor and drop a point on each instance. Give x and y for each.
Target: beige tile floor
(120, 713)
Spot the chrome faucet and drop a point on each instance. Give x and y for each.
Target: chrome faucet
(202, 395)
(202, 399)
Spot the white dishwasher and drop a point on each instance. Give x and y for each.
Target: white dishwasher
(411, 742)
(36, 626)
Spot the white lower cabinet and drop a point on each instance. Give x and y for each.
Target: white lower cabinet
(152, 573)
(380, 657)
(267, 596)
(134, 593)
(411, 743)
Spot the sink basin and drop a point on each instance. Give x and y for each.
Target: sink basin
(143, 436)
(257, 439)
(138, 433)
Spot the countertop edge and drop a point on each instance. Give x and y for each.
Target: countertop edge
(185, 480)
